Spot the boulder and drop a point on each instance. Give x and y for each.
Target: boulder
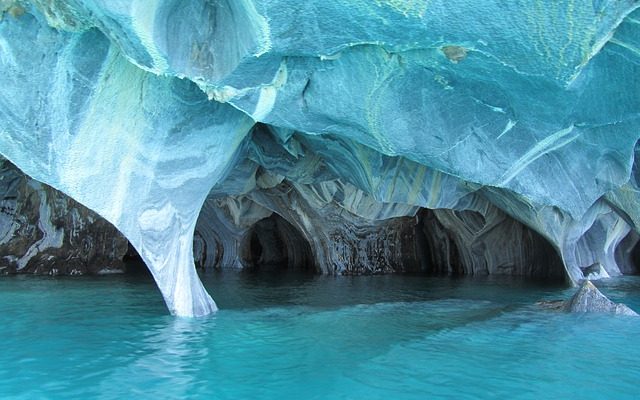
(589, 299)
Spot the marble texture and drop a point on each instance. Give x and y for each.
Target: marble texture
(589, 299)
(44, 232)
(501, 131)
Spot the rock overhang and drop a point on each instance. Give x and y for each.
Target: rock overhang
(138, 110)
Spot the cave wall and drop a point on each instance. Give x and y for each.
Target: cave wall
(46, 232)
(43, 231)
(489, 243)
(148, 113)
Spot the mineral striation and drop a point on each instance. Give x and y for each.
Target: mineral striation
(360, 136)
(42, 231)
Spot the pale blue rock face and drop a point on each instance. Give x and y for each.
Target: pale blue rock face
(139, 109)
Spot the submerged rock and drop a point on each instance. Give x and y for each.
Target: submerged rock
(552, 305)
(590, 299)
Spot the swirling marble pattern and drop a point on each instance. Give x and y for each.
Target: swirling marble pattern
(344, 118)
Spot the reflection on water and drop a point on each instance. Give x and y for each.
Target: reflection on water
(299, 336)
(257, 290)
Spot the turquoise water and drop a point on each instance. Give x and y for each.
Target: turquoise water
(300, 337)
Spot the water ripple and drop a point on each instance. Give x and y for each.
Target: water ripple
(313, 338)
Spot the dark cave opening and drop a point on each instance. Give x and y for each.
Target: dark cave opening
(435, 242)
(459, 243)
(133, 262)
(627, 254)
(633, 268)
(274, 244)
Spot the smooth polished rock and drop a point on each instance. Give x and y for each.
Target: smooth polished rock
(139, 149)
(150, 113)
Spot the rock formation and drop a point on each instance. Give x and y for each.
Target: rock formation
(589, 299)
(42, 231)
(354, 136)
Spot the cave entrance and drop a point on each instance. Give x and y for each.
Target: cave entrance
(133, 262)
(627, 254)
(633, 268)
(469, 243)
(273, 244)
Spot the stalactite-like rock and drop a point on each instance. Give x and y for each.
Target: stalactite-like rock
(139, 149)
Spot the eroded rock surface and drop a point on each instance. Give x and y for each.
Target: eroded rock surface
(452, 136)
(43, 231)
(589, 299)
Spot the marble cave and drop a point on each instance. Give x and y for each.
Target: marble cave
(338, 137)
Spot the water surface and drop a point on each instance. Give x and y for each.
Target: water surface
(287, 336)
